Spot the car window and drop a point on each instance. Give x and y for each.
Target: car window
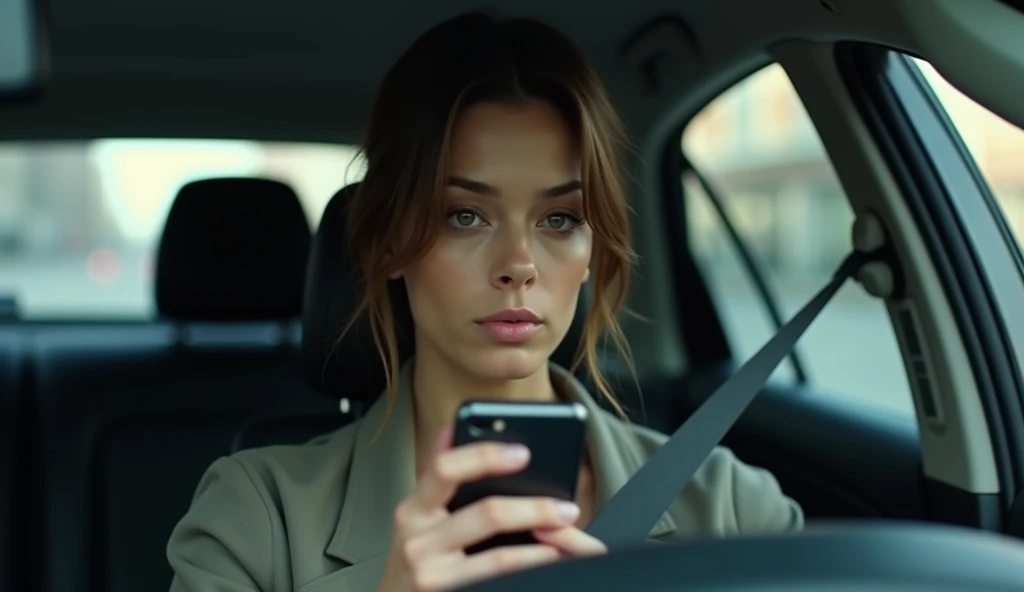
(996, 145)
(80, 222)
(760, 153)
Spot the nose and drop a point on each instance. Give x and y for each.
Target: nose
(516, 267)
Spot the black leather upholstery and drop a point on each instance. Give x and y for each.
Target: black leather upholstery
(233, 249)
(130, 421)
(348, 368)
(288, 429)
(131, 415)
(11, 439)
(351, 367)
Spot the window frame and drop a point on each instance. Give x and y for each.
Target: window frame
(700, 326)
(950, 205)
(752, 264)
(704, 335)
(984, 190)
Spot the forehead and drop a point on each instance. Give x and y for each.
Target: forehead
(488, 137)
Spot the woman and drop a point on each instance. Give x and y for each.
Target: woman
(491, 189)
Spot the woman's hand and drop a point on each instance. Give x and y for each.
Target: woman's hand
(427, 549)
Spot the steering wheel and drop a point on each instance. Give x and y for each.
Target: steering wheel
(879, 556)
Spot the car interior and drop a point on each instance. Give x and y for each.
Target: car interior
(771, 138)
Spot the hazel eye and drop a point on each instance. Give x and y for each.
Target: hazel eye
(558, 221)
(563, 222)
(465, 219)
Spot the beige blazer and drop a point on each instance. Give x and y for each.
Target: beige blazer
(317, 516)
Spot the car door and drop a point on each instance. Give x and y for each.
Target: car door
(761, 189)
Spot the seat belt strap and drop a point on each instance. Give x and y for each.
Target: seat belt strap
(633, 511)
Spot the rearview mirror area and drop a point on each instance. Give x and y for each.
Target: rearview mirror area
(22, 49)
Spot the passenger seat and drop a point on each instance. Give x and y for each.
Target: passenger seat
(132, 415)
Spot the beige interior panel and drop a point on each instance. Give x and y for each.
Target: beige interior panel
(957, 450)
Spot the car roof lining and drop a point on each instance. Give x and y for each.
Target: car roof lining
(306, 71)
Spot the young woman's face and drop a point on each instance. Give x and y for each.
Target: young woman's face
(497, 292)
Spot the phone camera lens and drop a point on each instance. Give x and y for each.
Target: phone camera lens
(478, 428)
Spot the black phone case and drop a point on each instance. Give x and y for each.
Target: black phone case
(556, 436)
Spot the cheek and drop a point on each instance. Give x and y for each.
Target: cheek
(566, 275)
(439, 279)
(569, 258)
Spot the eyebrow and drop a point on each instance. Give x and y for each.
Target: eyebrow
(488, 190)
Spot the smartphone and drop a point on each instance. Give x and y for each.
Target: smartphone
(555, 433)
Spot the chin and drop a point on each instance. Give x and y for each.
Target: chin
(507, 363)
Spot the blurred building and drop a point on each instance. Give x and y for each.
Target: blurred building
(760, 150)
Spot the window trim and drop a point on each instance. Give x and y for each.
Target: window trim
(981, 183)
(700, 323)
(754, 267)
(706, 329)
(896, 109)
(968, 192)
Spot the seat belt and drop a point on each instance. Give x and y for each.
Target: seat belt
(633, 511)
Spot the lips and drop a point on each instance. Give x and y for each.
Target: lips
(517, 315)
(511, 325)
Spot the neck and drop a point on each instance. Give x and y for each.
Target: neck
(439, 388)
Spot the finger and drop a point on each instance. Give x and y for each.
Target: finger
(445, 574)
(410, 517)
(443, 441)
(467, 463)
(571, 541)
(493, 515)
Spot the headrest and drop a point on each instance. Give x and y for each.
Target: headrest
(233, 249)
(351, 368)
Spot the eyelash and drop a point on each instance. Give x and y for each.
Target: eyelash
(574, 220)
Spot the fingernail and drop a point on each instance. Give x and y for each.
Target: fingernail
(568, 511)
(517, 452)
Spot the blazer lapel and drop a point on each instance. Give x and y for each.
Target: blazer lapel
(382, 474)
(361, 577)
(614, 451)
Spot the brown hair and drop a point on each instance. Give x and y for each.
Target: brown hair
(463, 61)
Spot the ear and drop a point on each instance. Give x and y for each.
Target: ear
(388, 258)
(586, 276)
(397, 274)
